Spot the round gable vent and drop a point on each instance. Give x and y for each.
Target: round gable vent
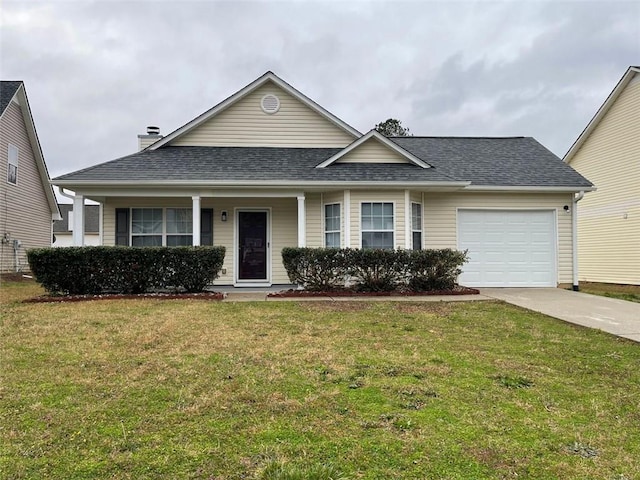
(270, 104)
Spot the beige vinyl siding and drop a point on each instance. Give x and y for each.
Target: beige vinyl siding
(245, 124)
(396, 197)
(372, 151)
(283, 222)
(609, 218)
(440, 215)
(314, 220)
(24, 210)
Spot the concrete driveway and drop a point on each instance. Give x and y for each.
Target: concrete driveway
(618, 317)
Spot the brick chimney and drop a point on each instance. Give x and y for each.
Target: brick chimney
(152, 136)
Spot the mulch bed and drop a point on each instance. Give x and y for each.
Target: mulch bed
(350, 293)
(119, 296)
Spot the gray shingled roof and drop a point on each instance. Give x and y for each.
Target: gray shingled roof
(510, 161)
(91, 219)
(7, 91)
(483, 161)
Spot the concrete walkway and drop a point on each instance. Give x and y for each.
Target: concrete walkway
(614, 316)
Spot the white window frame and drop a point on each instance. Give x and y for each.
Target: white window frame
(164, 234)
(413, 226)
(13, 154)
(324, 224)
(392, 230)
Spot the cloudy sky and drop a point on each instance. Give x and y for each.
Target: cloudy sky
(98, 72)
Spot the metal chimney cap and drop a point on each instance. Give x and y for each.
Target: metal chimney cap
(151, 130)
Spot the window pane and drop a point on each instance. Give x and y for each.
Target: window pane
(179, 240)
(146, 241)
(388, 223)
(146, 220)
(417, 240)
(332, 240)
(388, 209)
(377, 240)
(179, 220)
(12, 174)
(366, 209)
(376, 209)
(416, 216)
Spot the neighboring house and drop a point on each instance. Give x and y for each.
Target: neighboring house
(269, 168)
(608, 153)
(63, 229)
(27, 202)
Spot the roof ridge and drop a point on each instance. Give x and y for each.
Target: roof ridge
(463, 137)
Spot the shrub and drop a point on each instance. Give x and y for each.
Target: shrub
(376, 270)
(373, 270)
(95, 270)
(317, 269)
(435, 269)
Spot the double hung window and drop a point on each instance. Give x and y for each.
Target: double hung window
(12, 167)
(377, 225)
(416, 226)
(155, 227)
(332, 225)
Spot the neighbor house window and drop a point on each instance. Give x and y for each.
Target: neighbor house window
(376, 224)
(12, 168)
(416, 226)
(332, 225)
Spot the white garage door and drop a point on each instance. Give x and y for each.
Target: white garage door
(508, 248)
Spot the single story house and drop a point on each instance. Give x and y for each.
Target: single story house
(63, 229)
(608, 153)
(268, 168)
(28, 205)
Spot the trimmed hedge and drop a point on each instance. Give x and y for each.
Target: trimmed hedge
(326, 269)
(96, 270)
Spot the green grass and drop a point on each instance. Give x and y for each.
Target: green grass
(630, 293)
(175, 389)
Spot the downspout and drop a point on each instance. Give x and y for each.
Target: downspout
(574, 239)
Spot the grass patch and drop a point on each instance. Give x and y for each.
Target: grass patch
(631, 293)
(150, 389)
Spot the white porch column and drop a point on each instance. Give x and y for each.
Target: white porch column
(196, 220)
(78, 221)
(407, 220)
(302, 227)
(347, 219)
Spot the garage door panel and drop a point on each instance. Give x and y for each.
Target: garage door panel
(508, 248)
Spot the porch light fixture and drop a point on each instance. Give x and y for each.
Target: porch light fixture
(223, 216)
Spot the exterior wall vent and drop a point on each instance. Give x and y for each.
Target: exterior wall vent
(270, 104)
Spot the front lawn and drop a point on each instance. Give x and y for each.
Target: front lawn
(178, 389)
(630, 293)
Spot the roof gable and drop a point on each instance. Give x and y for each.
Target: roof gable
(8, 91)
(240, 120)
(632, 73)
(20, 96)
(374, 148)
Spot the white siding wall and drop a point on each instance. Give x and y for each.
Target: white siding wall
(245, 124)
(609, 219)
(372, 151)
(24, 210)
(441, 226)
